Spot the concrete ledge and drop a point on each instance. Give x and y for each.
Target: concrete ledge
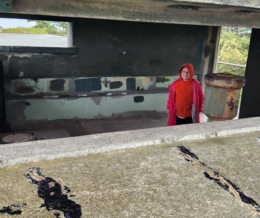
(77, 146)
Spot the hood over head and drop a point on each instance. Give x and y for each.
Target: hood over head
(190, 68)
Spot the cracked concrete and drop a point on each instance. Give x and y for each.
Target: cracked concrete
(150, 181)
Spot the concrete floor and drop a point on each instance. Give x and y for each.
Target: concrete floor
(70, 128)
(64, 129)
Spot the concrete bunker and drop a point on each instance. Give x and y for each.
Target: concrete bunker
(114, 79)
(116, 66)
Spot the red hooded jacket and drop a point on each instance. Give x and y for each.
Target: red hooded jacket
(189, 96)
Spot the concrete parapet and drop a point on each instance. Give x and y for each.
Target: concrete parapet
(12, 154)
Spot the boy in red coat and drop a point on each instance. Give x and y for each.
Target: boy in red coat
(185, 98)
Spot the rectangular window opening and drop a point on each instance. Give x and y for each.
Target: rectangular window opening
(35, 33)
(233, 51)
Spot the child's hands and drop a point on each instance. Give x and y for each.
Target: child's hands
(168, 112)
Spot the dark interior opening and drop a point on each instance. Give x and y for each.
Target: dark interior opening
(2, 108)
(4, 127)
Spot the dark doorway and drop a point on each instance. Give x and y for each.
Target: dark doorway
(2, 117)
(4, 127)
(250, 104)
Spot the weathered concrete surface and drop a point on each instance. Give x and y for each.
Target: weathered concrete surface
(152, 181)
(119, 124)
(38, 40)
(216, 13)
(83, 145)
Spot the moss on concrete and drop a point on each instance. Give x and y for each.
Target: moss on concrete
(151, 181)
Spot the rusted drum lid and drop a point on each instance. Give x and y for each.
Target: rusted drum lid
(225, 80)
(17, 138)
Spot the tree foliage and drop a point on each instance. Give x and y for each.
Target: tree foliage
(234, 45)
(24, 30)
(51, 27)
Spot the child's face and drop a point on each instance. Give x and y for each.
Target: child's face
(185, 74)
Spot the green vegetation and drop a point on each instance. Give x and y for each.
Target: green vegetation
(234, 45)
(24, 30)
(41, 27)
(51, 27)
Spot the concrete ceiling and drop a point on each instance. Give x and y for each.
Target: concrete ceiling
(196, 12)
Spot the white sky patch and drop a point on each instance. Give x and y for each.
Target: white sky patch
(12, 23)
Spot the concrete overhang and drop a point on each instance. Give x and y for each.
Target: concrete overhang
(196, 12)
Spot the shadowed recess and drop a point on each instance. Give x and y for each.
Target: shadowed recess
(50, 191)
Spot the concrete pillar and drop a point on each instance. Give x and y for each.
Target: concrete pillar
(210, 54)
(250, 104)
(70, 34)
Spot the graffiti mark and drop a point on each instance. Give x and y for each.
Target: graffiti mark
(52, 192)
(106, 82)
(221, 181)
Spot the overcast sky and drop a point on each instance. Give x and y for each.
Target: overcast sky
(11, 23)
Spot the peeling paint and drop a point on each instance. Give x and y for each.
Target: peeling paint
(83, 108)
(88, 85)
(131, 84)
(24, 90)
(138, 99)
(115, 85)
(97, 100)
(52, 86)
(162, 79)
(57, 85)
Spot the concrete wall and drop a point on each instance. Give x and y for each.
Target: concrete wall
(117, 69)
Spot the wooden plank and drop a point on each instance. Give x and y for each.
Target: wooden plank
(138, 12)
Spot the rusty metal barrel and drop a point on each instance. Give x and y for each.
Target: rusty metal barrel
(222, 96)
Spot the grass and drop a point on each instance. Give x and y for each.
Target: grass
(25, 30)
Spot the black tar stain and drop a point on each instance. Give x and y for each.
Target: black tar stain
(57, 215)
(9, 211)
(186, 151)
(243, 197)
(53, 197)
